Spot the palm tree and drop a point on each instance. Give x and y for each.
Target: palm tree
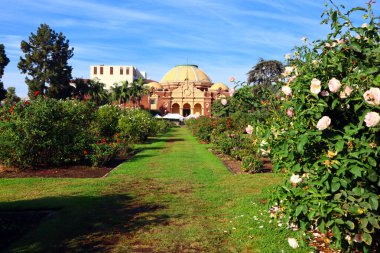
(97, 91)
(116, 93)
(124, 93)
(136, 91)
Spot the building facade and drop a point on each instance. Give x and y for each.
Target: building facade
(110, 75)
(185, 89)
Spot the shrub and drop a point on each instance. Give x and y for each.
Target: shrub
(136, 125)
(45, 132)
(330, 145)
(106, 120)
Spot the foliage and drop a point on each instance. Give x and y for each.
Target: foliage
(106, 120)
(136, 125)
(265, 73)
(104, 151)
(97, 92)
(44, 132)
(11, 98)
(4, 60)
(46, 63)
(135, 91)
(80, 89)
(202, 127)
(329, 147)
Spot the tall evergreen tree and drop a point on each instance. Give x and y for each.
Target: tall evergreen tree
(3, 62)
(46, 63)
(265, 72)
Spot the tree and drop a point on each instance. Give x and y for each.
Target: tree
(115, 93)
(136, 91)
(11, 97)
(265, 72)
(46, 63)
(80, 89)
(97, 91)
(3, 62)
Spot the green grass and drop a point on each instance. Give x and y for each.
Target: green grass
(173, 196)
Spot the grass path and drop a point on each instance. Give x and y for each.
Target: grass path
(173, 196)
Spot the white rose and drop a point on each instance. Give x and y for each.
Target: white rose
(371, 119)
(293, 243)
(364, 25)
(315, 86)
(288, 56)
(372, 96)
(287, 90)
(346, 92)
(295, 179)
(324, 123)
(334, 85)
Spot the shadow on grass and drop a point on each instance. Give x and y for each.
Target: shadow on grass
(82, 224)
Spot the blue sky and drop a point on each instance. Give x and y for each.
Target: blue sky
(223, 37)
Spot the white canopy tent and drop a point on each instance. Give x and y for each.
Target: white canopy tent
(173, 116)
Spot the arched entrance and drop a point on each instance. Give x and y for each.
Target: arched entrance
(198, 109)
(186, 110)
(175, 108)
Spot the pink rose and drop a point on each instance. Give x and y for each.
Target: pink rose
(224, 101)
(232, 79)
(324, 123)
(334, 85)
(346, 92)
(371, 119)
(315, 86)
(325, 93)
(249, 129)
(372, 96)
(287, 90)
(231, 91)
(290, 112)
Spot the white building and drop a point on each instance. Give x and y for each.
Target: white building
(109, 75)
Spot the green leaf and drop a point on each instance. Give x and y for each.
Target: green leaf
(356, 47)
(374, 222)
(367, 238)
(299, 210)
(301, 143)
(350, 224)
(356, 171)
(336, 232)
(339, 146)
(374, 202)
(372, 162)
(335, 185)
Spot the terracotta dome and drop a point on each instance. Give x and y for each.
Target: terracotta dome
(219, 86)
(183, 73)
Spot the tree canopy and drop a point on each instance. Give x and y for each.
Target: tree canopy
(3, 62)
(46, 63)
(265, 72)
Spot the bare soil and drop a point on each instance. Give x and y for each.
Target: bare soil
(67, 171)
(234, 165)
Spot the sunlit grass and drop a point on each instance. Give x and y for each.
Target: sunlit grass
(173, 196)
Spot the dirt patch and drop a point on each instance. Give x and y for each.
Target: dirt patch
(72, 171)
(234, 165)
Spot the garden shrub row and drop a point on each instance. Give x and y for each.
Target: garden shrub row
(46, 132)
(321, 131)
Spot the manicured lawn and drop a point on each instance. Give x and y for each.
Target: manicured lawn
(173, 196)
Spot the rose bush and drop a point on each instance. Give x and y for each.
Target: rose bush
(45, 132)
(329, 148)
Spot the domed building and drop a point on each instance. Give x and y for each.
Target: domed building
(185, 89)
